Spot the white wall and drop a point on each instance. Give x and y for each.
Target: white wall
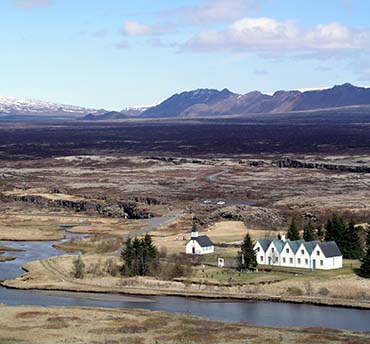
(272, 255)
(287, 258)
(323, 263)
(260, 253)
(302, 258)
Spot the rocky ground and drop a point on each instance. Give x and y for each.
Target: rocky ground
(263, 193)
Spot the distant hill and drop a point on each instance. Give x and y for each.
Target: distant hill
(116, 115)
(210, 103)
(10, 106)
(176, 105)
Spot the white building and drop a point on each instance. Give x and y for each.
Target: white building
(199, 244)
(299, 254)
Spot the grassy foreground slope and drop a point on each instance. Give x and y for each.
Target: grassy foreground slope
(91, 325)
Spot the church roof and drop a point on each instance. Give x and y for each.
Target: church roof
(204, 241)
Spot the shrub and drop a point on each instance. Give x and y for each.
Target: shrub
(78, 268)
(111, 267)
(324, 291)
(295, 291)
(169, 271)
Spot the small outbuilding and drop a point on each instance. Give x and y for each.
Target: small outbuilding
(199, 244)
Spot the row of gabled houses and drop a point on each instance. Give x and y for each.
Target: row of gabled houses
(298, 254)
(284, 252)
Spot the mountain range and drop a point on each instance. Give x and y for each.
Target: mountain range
(211, 103)
(202, 103)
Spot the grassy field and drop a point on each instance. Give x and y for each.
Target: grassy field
(41, 325)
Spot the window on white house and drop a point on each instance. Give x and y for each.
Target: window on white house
(299, 260)
(287, 250)
(258, 249)
(261, 258)
(302, 251)
(306, 261)
(272, 250)
(321, 262)
(318, 253)
(291, 260)
(284, 260)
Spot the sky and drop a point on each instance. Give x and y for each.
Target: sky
(113, 54)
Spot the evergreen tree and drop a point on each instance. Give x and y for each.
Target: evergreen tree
(335, 230)
(139, 256)
(320, 233)
(127, 255)
(247, 256)
(346, 235)
(308, 232)
(151, 254)
(351, 242)
(293, 233)
(365, 261)
(78, 268)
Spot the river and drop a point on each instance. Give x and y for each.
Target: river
(253, 312)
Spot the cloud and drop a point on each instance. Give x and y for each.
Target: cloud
(210, 11)
(123, 45)
(260, 72)
(135, 29)
(28, 4)
(270, 36)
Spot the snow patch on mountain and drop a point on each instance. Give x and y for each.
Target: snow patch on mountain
(15, 106)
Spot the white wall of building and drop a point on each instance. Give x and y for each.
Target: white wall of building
(287, 257)
(272, 255)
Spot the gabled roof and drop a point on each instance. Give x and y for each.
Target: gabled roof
(310, 245)
(203, 241)
(279, 244)
(265, 243)
(294, 245)
(330, 249)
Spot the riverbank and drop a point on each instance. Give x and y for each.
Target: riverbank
(47, 325)
(55, 274)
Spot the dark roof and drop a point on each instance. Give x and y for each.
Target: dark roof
(204, 241)
(330, 249)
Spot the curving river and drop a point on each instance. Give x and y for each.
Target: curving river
(257, 313)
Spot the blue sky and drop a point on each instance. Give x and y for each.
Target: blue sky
(113, 53)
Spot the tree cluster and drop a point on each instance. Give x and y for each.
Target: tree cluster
(309, 232)
(140, 257)
(365, 261)
(346, 235)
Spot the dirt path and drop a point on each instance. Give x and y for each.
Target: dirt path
(154, 223)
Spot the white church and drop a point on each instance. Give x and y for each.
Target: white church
(299, 254)
(199, 244)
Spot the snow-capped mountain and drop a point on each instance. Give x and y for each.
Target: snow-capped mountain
(15, 106)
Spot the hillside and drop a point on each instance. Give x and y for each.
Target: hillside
(209, 103)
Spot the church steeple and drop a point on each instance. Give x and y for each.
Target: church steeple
(194, 231)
